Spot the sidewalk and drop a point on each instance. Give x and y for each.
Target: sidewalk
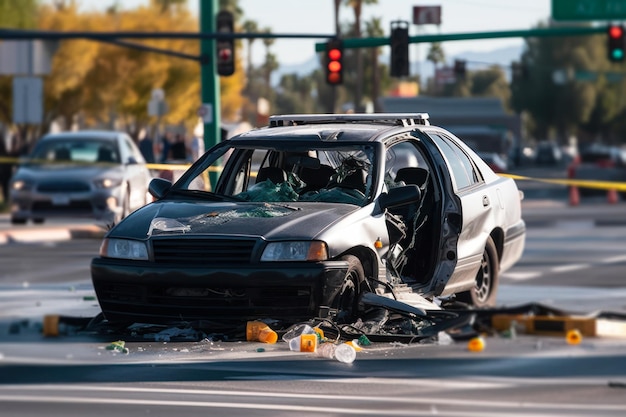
(30, 233)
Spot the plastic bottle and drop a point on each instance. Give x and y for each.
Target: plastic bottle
(342, 352)
(296, 331)
(301, 338)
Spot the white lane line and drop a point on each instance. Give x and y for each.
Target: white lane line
(614, 259)
(568, 268)
(521, 276)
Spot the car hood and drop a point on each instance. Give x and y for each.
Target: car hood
(56, 172)
(293, 220)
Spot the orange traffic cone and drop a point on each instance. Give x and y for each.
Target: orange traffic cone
(574, 197)
(612, 196)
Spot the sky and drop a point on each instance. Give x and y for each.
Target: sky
(317, 17)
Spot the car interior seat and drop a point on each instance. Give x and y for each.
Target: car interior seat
(275, 174)
(316, 178)
(413, 175)
(418, 218)
(355, 180)
(105, 154)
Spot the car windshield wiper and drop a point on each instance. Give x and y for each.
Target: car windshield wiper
(206, 195)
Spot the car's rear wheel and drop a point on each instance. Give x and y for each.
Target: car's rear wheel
(38, 220)
(347, 300)
(486, 284)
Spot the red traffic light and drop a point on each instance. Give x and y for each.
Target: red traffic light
(334, 62)
(616, 32)
(225, 54)
(334, 54)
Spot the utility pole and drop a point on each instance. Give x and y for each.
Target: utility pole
(208, 76)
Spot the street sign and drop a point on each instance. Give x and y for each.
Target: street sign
(589, 10)
(27, 100)
(426, 15)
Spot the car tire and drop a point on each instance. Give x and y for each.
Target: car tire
(38, 220)
(18, 220)
(346, 301)
(484, 292)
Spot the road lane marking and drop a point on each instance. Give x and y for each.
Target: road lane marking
(521, 276)
(569, 268)
(614, 259)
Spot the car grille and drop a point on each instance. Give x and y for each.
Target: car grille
(63, 186)
(201, 251)
(74, 207)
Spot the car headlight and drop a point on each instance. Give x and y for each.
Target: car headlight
(107, 182)
(295, 251)
(21, 185)
(124, 249)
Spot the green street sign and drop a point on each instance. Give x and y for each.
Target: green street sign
(589, 10)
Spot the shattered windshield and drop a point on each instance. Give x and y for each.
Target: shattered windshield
(336, 173)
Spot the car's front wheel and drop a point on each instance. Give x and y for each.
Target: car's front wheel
(486, 284)
(347, 300)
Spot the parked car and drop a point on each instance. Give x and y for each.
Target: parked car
(495, 161)
(599, 162)
(304, 217)
(92, 174)
(548, 154)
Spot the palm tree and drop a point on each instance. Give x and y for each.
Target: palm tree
(357, 7)
(250, 26)
(374, 29)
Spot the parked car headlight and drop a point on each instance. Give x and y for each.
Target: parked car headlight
(22, 185)
(107, 182)
(124, 249)
(295, 251)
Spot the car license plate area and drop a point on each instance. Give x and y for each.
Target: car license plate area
(60, 200)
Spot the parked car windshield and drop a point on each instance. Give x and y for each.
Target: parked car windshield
(337, 172)
(75, 150)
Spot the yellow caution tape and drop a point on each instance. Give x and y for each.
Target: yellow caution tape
(601, 185)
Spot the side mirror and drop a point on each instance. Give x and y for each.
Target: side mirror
(132, 160)
(399, 196)
(159, 187)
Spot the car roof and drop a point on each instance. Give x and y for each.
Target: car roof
(84, 135)
(336, 127)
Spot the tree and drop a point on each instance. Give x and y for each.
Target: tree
(357, 7)
(551, 93)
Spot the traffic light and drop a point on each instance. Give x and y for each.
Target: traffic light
(225, 47)
(615, 34)
(334, 62)
(459, 68)
(399, 49)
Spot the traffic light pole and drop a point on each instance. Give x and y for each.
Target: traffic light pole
(208, 75)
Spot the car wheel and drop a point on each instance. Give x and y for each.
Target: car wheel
(347, 300)
(485, 286)
(18, 220)
(38, 220)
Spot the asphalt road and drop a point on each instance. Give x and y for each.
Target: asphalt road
(574, 259)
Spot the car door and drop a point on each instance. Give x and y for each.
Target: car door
(477, 204)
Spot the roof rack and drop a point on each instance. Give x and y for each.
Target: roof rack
(400, 119)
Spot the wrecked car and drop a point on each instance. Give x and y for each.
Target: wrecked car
(310, 216)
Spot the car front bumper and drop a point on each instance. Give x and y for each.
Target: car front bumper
(143, 292)
(101, 204)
